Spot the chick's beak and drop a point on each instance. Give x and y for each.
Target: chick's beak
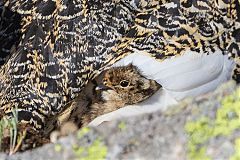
(101, 87)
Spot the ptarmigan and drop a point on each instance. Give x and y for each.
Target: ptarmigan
(64, 44)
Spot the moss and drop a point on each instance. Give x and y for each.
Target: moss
(203, 129)
(97, 150)
(122, 126)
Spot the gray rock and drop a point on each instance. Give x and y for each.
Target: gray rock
(199, 128)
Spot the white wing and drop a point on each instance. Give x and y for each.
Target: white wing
(189, 75)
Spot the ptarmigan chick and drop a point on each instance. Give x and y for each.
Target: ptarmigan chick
(111, 90)
(119, 86)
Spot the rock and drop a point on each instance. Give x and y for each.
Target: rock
(205, 127)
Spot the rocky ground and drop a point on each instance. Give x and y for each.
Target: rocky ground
(202, 128)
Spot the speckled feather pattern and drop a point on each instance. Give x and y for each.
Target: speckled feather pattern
(65, 43)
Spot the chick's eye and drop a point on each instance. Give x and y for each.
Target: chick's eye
(124, 83)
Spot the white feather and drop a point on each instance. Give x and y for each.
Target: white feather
(182, 73)
(189, 75)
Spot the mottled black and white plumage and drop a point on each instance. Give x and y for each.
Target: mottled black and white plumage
(65, 43)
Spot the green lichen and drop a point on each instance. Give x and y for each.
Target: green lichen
(78, 151)
(203, 129)
(82, 132)
(122, 126)
(57, 147)
(236, 156)
(199, 132)
(97, 150)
